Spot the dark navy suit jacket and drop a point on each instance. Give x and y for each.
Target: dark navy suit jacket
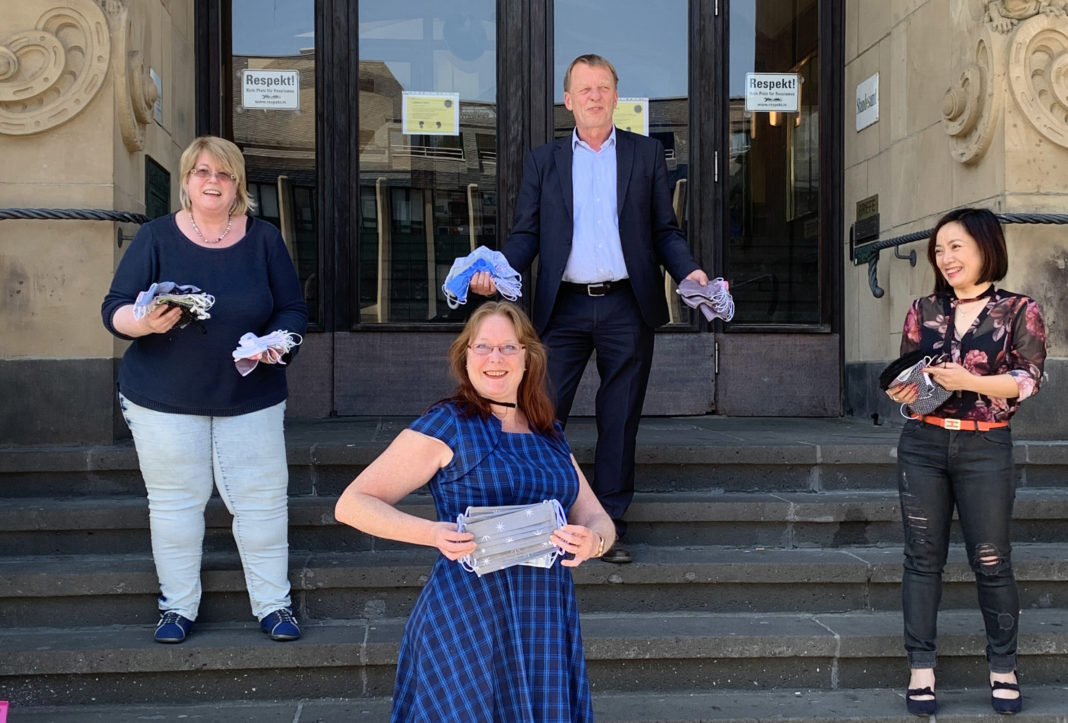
(651, 238)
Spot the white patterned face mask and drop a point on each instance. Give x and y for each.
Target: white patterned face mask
(512, 535)
(276, 345)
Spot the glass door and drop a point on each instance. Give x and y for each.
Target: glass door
(427, 151)
(272, 119)
(772, 249)
(654, 81)
(780, 224)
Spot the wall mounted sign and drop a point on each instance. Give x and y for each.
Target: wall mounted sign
(272, 89)
(868, 102)
(765, 92)
(157, 107)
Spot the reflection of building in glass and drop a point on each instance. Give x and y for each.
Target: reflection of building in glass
(424, 201)
(772, 246)
(279, 148)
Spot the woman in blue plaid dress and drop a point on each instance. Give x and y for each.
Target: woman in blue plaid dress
(504, 647)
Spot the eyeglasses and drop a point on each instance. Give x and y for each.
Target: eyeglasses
(487, 349)
(219, 176)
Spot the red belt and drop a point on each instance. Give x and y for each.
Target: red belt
(970, 425)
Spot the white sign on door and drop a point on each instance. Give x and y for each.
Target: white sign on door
(765, 92)
(274, 89)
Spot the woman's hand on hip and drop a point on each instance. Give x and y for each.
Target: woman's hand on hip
(452, 543)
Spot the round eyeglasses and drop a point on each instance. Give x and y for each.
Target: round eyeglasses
(487, 349)
(218, 176)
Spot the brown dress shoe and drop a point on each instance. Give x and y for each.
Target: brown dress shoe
(617, 555)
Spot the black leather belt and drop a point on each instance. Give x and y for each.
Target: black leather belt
(601, 288)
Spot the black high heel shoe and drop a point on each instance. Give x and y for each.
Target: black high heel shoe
(921, 707)
(1006, 706)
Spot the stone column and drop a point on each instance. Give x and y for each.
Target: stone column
(76, 123)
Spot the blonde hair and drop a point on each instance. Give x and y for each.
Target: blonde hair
(227, 157)
(594, 61)
(533, 393)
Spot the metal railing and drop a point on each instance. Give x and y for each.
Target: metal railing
(869, 251)
(77, 214)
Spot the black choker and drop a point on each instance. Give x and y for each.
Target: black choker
(989, 292)
(510, 405)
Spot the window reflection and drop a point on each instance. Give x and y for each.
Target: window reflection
(425, 198)
(656, 69)
(772, 250)
(279, 142)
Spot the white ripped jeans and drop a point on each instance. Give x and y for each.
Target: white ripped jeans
(182, 456)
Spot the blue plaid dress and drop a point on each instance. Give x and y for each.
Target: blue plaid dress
(505, 647)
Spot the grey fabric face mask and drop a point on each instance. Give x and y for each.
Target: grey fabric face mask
(932, 394)
(512, 535)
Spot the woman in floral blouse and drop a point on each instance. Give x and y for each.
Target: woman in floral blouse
(995, 345)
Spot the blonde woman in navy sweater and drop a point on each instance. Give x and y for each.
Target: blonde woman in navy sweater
(197, 422)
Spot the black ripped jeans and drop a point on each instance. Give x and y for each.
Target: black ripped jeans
(937, 470)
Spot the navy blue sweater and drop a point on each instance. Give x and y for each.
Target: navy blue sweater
(188, 371)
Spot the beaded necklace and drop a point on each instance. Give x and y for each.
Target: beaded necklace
(229, 223)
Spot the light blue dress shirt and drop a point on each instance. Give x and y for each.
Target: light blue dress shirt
(596, 252)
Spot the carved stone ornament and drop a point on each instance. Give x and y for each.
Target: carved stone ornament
(1038, 74)
(972, 108)
(1003, 15)
(50, 74)
(135, 93)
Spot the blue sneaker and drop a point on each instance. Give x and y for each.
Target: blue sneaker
(281, 625)
(172, 628)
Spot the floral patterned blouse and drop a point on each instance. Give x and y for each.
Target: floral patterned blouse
(1008, 337)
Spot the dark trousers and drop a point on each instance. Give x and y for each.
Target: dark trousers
(612, 326)
(973, 471)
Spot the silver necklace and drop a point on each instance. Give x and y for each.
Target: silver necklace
(229, 223)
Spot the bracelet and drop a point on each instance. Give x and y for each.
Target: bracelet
(600, 545)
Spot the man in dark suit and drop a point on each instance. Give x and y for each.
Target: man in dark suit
(595, 208)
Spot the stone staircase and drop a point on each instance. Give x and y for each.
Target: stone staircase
(765, 587)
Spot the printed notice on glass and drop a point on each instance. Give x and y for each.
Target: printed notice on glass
(765, 92)
(424, 113)
(273, 89)
(632, 114)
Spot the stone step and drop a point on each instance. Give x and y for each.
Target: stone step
(116, 589)
(674, 454)
(117, 525)
(630, 652)
(1042, 704)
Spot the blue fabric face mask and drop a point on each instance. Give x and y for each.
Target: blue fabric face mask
(507, 279)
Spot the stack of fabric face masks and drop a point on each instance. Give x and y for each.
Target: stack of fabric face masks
(507, 279)
(512, 535)
(250, 347)
(713, 300)
(193, 302)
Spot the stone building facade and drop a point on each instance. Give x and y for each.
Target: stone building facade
(99, 97)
